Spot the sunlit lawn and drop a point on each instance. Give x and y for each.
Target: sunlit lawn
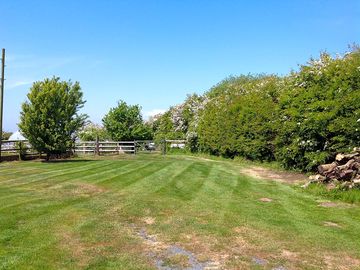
(87, 214)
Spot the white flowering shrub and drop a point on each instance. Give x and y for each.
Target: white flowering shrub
(91, 131)
(177, 118)
(319, 110)
(300, 120)
(181, 119)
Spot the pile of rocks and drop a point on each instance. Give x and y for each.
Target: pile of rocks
(343, 172)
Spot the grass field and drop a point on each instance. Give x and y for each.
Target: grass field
(173, 212)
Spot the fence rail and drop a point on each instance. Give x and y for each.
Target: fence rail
(8, 146)
(105, 147)
(16, 150)
(24, 148)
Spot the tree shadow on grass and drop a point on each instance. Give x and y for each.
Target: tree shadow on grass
(67, 160)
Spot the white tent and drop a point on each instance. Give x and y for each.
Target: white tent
(16, 136)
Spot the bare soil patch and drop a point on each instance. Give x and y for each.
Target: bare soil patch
(149, 220)
(75, 247)
(265, 200)
(87, 189)
(76, 189)
(173, 256)
(334, 204)
(331, 224)
(341, 262)
(268, 174)
(289, 255)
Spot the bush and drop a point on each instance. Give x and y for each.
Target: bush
(240, 119)
(320, 112)
(124, 122)
(300, 120)
(50, 119)
(192, 142)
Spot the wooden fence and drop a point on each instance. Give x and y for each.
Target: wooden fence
(105, 147)
(14, 150)
(9, 147)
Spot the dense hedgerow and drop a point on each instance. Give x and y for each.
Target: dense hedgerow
(319, 111)
(300, 120)
(241, 122)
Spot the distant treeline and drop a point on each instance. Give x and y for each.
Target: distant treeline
(299, 120)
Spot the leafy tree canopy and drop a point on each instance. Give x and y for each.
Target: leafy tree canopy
(124, 122)
(50, 117)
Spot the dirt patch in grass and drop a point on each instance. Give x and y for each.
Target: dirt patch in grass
(177, 260)
(252, 247)
(265, 200)
(289, 255)
(268, 174)
(341, 262)
(72, 244)
(328, 204)
(331, 224)
(284, 258)
(206, 249)
(173, 256)
(148, 220)
(200, 158)
(84, 189)
(74, 190)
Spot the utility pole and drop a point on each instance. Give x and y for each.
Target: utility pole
(2, 96)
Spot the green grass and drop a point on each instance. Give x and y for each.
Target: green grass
(349, 196)
(85, 214)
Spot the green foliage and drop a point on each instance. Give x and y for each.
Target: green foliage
(124, 122)
(180, 120)
(300, 120)
(50, 119)
(192, 142)
(6, 135)
(22, 149)
(320, 112)
(164, 128)
(240, 120)
(93, 131)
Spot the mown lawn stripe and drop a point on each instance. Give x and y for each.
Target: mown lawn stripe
(187, 183)
(48, 172)
(61, 173)
(127, 178)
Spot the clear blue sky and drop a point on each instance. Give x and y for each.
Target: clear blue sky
(153, 53)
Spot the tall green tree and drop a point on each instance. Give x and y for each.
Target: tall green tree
(50, 117)
(124, 122)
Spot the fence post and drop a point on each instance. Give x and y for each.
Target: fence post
(20, 150)
(97, 149)
(164, 147)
